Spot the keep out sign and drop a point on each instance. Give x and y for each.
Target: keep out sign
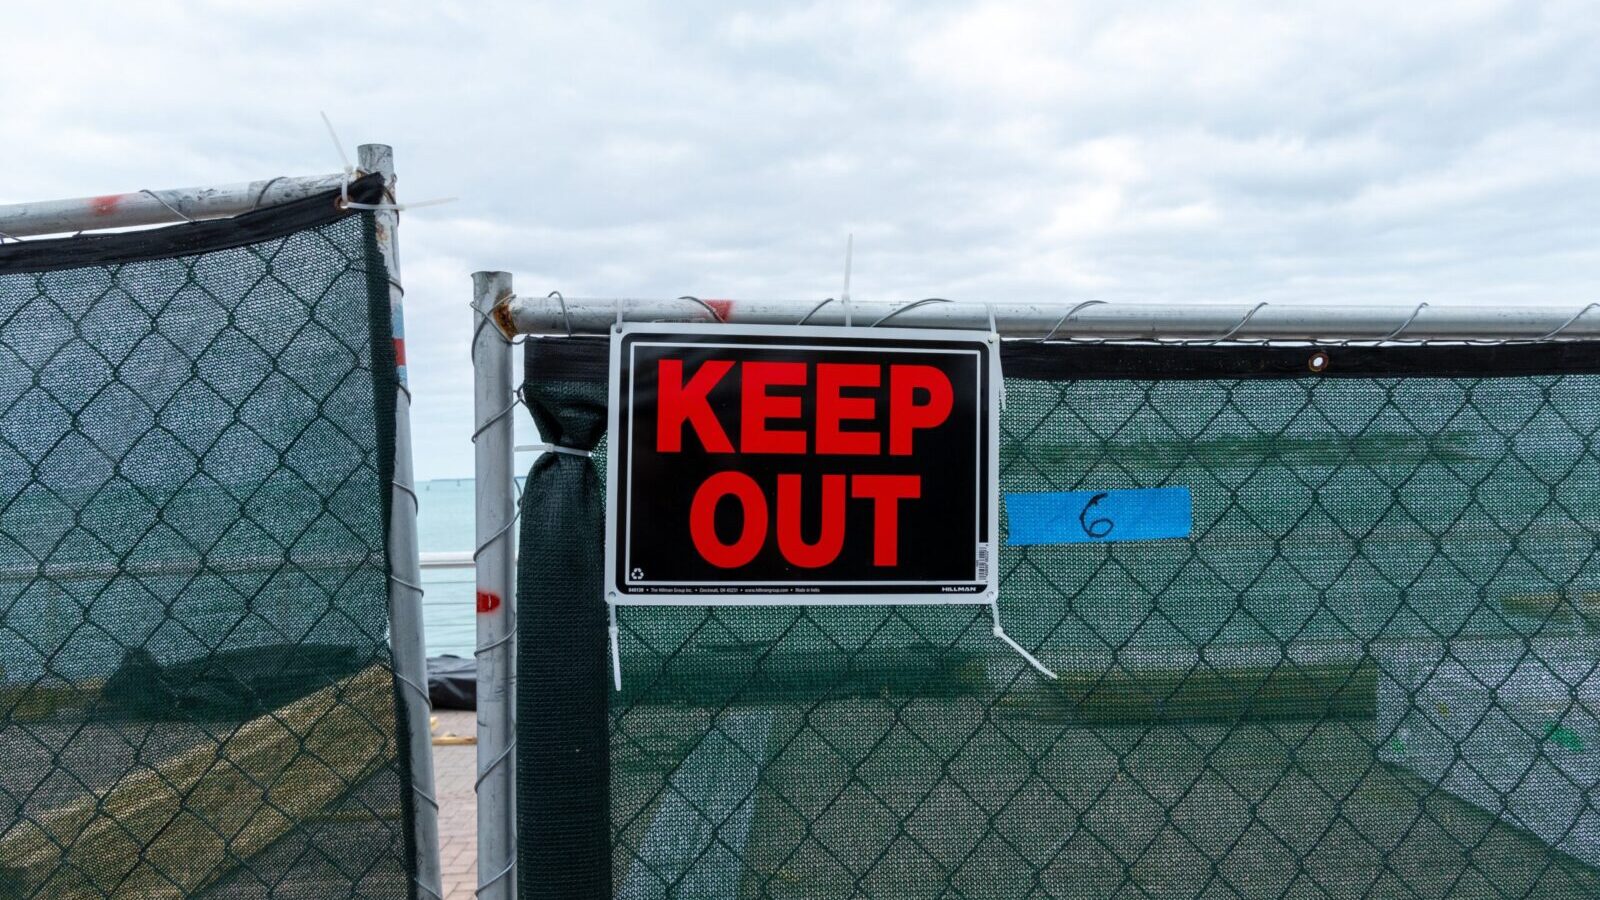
(801, 465)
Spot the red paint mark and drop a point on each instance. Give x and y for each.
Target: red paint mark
(399, 351)
(488, 602)
(723, 308)
(105, 206)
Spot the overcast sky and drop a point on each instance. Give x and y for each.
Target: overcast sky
(1043, 151)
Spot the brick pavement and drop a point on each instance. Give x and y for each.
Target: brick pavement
(454, 768)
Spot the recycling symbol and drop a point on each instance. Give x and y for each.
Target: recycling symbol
(638, 573)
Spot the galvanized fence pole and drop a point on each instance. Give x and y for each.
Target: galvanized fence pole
(1088, 319)
(405, 588)
(162, 207)
(493, 436)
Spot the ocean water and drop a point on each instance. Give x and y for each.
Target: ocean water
(445, 524)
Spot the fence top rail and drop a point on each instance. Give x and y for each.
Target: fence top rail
(1088, 319)
(148, 207)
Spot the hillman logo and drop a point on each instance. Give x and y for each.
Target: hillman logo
(801, 465)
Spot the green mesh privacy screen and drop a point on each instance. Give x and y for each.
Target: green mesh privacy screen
(196, 449)
(1369, 671)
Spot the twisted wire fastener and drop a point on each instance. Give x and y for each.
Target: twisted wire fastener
(895, 312)
(1067, 315)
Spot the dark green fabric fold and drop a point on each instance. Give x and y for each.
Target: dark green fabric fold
(563, 767)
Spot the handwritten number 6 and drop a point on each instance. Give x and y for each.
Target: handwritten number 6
(1095, 528)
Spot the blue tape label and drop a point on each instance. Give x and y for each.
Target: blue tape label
(1096, 517)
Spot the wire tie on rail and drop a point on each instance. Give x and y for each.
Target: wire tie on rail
(421, 691)
(715, 316)
(492, 645)
(170, 208)
(407, 489)
(565, 318)
(515, 401)
(501, 874)
(262, 194)
(1242, 322)
(1407, 323)
(495, 644)
(420, 792)
(1568, 323)
(1067, 315)
(484, 321)
(398, 580)
(897, 311)
(418, 882)
(504, 754)
(505, 529)
(807, 317)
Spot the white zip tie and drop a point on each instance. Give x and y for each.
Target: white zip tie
(555, 448)
(347, 203)
(844, 295)
(994, 611)
(616, 646)
(349, 172)
(998, 342)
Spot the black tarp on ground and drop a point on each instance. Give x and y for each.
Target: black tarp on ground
(452, 682)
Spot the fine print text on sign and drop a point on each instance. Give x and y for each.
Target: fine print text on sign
(801, 465)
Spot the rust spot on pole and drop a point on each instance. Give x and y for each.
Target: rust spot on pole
(501, 316)
(106, 205)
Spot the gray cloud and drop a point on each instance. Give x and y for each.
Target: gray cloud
(1290, 152)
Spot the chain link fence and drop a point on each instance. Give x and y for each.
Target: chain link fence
(1369, 671)
(196, 450)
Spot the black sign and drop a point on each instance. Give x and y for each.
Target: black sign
(801, 465)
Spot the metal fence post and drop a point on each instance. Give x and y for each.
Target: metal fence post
(405, 589)
(493, 436)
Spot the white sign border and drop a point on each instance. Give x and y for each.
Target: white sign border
(985, 596)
